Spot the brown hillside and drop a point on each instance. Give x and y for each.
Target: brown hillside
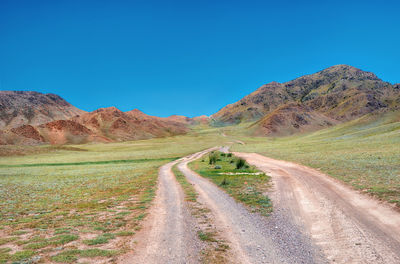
(340, 92)
(19, 108)
(68, 131)
(102, 125)
(289, 119)
(117, 125)
(179, 119)
(187, 120)
(203, 119)
(7, 137)
(28, 131)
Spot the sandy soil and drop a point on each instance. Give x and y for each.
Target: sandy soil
(349, 227)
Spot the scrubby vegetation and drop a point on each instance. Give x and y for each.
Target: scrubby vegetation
(212, 158)
(245, 183)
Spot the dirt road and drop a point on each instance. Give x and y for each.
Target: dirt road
(169, 232)
(316, 219)
(349, 227)
(252, 238)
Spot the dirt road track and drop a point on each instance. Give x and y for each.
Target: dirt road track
(252, 238)
(168, 234)
(350, 227)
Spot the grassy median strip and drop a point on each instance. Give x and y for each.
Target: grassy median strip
(243, 182)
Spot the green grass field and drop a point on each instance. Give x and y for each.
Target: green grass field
(68, 203)
(65, 203)
(364, 153)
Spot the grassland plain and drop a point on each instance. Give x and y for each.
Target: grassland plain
(364, 153)
(246, 184)
(83, 203)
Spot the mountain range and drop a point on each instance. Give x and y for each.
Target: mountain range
(337, 94)
(29, 118)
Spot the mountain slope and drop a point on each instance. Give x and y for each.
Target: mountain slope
(289, 119)
(340, 92)
(28, 118)
(117, 125)
(19, 108)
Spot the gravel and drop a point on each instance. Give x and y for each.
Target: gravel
(254, 238)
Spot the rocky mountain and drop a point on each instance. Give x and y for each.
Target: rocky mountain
(118, 126)
(339, 93)
(19, 108)
(102, 125)
(28, 118)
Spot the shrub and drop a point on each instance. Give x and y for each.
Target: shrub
(224, 182)
(212, 158)
(223, 154)
(240, 163)
(217, 167)
(229, 155)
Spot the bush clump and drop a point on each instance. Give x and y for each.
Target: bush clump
(212, 158)
(229, 155)
(240, 163)
(217, 167)
(224, 182)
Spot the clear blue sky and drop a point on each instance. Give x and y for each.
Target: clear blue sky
(187, 57)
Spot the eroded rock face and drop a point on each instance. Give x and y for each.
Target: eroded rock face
(28, 131)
